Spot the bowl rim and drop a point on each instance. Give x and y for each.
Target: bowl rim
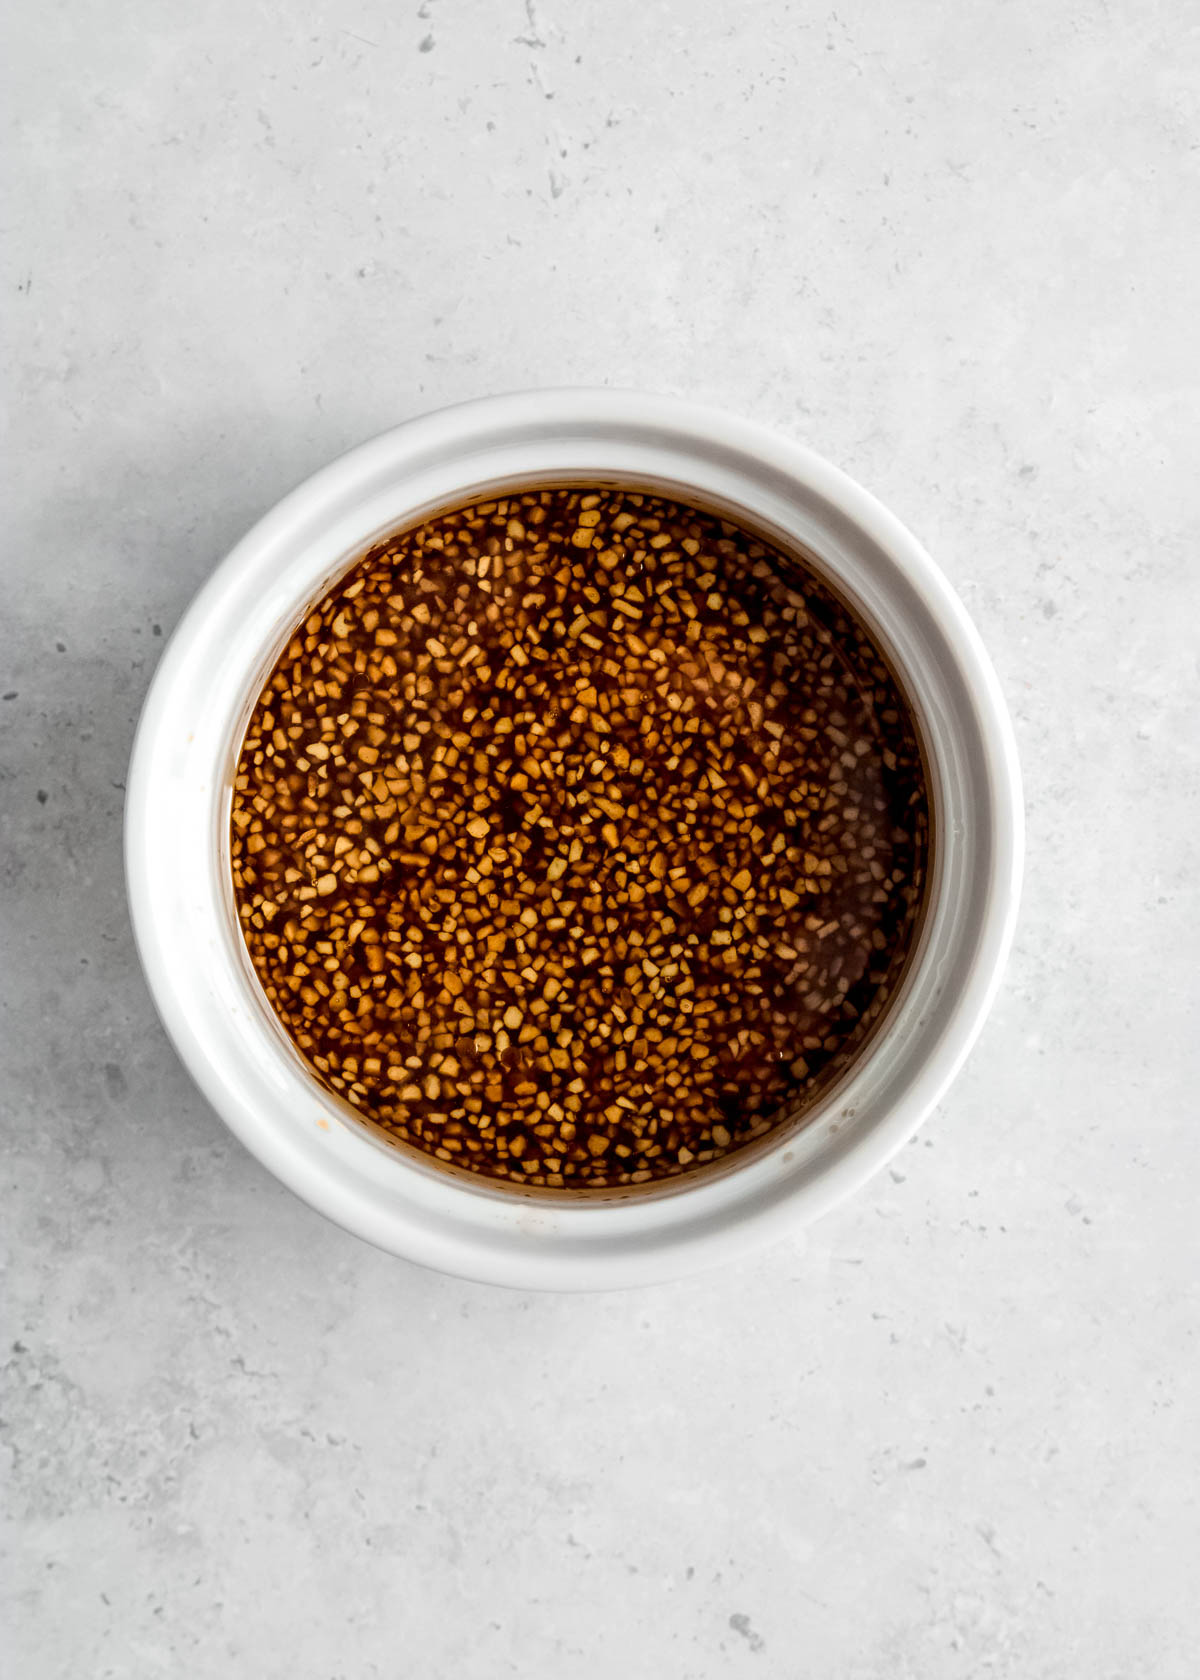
(381, 1194)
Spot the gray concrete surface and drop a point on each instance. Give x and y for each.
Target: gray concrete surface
(952, 247)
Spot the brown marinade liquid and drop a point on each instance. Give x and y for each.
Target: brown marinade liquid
(578, 837)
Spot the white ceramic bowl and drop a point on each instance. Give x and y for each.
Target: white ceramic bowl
(177, 851)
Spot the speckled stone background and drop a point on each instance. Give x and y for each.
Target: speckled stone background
(957, 1433)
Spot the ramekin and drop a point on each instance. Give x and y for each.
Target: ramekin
(177, 852)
